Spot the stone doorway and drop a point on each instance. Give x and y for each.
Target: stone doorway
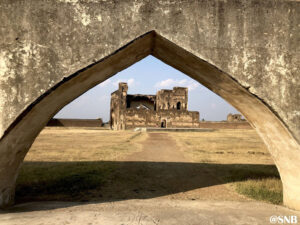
(163, 124)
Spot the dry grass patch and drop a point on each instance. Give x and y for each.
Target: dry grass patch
(69, 163)
(241, 148)
(83, 144)
(88, 164)
(224, 146)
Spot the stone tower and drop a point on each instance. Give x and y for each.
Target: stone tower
(118, 106)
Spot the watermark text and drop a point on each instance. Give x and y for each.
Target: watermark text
(283, 220)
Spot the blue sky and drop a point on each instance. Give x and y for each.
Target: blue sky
(146, 77)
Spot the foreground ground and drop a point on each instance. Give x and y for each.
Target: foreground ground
(195, 174)
(146, 212)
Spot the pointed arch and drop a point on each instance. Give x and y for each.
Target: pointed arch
(19, 137)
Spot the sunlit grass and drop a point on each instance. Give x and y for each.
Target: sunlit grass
(83, 144)
(267, 189)
(224, 146)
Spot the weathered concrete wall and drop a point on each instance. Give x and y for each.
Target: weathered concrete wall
(255, 41)
(246, 51)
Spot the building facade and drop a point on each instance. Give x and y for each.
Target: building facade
(166, 109)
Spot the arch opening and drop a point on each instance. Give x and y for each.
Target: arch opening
(18, 139)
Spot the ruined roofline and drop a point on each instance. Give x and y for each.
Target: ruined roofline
(114, 92)
(180, 88)
(141, 95)
(166, 90)
(174, 88)
(150, 95)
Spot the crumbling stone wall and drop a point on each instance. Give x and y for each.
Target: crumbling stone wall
(234, 118)
(225, 125)
(141, 101)
(173, 118)
(172, 99)
(118, 106)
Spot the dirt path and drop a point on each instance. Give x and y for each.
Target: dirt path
(184, 180)
(158, 147)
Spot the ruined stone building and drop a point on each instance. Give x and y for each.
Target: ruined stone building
(235, 118)
(166, 109)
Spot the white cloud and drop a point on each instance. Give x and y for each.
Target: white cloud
(130, 82)
(169, 83)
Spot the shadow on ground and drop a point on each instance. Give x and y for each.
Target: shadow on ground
(103, 181)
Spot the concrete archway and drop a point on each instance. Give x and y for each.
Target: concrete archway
(21, 134)
(53, 51)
